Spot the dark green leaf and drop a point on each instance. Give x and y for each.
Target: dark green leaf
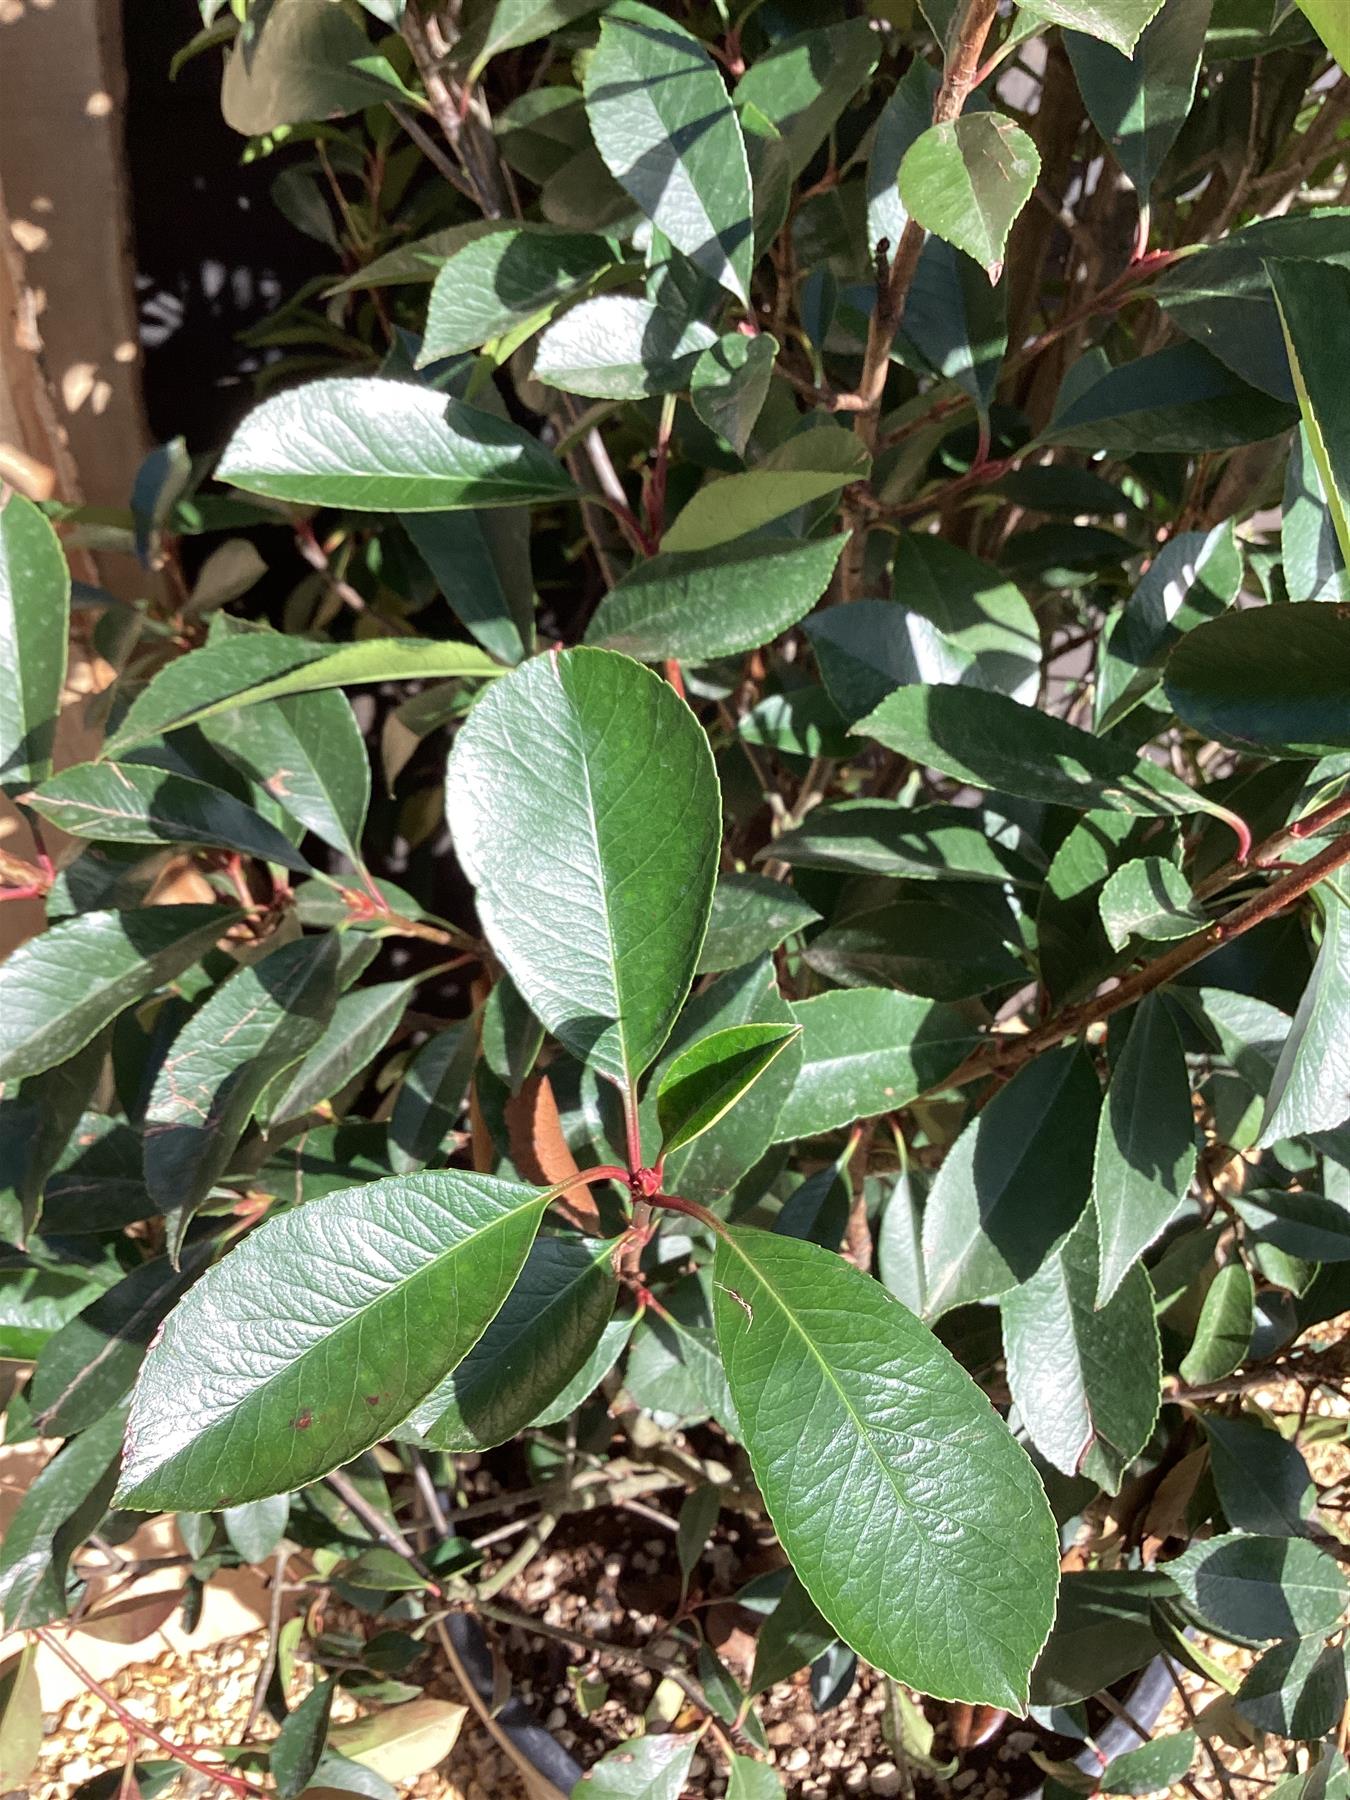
(1268, 678)
(1310, 1089)
(299, 1744)
(852, 1414)
(1261, 1478)
(1195, 576)
(481, 563)
(729, 385)
(620, 347)
(866, 1051)
(1180, 398)
(944, 943)
(866, 650)
(609, 1347)
(35, 1132)
(665, 126)
(750, 917)
(1224, 1329)
(256, 1024)
(698, 1516)
(572, 871)
(1310, 555)
(135, 803)
(674, 1368)
(967, 180)
(706, 1080)
(355, 1307)
(712, 603)
(313, 62)
(1259, 1588)
(1301, 1224)
(61, 1506)
(257, 1527)
(791, 1638)
(61, 988)
(1152, 1768)
(496, 25)
(956, 322)
(431, 1098)
(1115, 22)
(807, 467)
(1139, 101)
(976, 608)
(360, 1026)
(992, 742)
(546, 1332)
(34, 622)
(1296, 1690)
(653, 1767)
(1149, 898)
(503, 278)
(803, 83)
(1086, 1381)
(885, 837)
(308, 754)
(1146, 1146)
(1103, 1630)
(246, 670)
(1013, 1184)
(361, 441)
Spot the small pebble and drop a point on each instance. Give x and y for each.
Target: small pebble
(855, 1779)
(966, 1779)
(885, 1779)
(613, 1566)
(557, 1717)
(1021, 1740)
(797, 1759)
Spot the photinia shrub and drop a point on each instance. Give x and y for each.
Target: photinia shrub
(849, 509)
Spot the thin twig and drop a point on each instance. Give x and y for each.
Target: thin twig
(269, 1661)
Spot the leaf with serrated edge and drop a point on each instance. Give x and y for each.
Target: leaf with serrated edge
(319, 1334)
(707, 1080)
(911, 1516)
(584, 805)
(1148, 898)
(665, 126)
(1255, 1589)
(365, 441)
(967, 179)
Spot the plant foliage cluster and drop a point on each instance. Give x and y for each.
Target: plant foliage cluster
(851, 510)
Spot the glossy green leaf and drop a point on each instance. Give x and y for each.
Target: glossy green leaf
(990, 741)
(257, 1527)
(1224, 1329)
(1221, 295)
(620, 347)
(59, 989)
(1259, 1588)
(1310, 554)
(1195, 576)
(1265, 678)
(975, 607)
(750, 916)
(866, 1051)
(1014, 1183)
(36, 1125)
(1139, 101)
(503, 278)
(708, 1079)
(885, 837)
(496, 25)
(34, 623)
(355, 1307)
(665, 126)
(481, 563)
(1311, 299)
(729, 384)
(135, 803)
(87, 1368)
(571, 872)
(313, 61)
(807, 467)
(1115, 22)
(1309, 1226)
(257, 1023)
(652, 1767)
(674, 1368)
(1151, 1769)
(1103, 1630)
(711, 603)
(865, 650)
(360, 1026)
(1296, 1690)
(1146, 1147)
(60, 1507)
(803, 83)
(1310, 1089)
(361, 441)
(609, 1347)
(1331, 26)
(1179, 399)
(1261, 1478)
(308, 754)
(865, 1436)
(431, 1098)
(1086, 1380)
(904, 118)
(299, 1745)
(944, 943)
(246, 670)
(967, 180)
(792, 1637)
(1149, 898)
(709, 1168)
(955, 322)
(545, 1333)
